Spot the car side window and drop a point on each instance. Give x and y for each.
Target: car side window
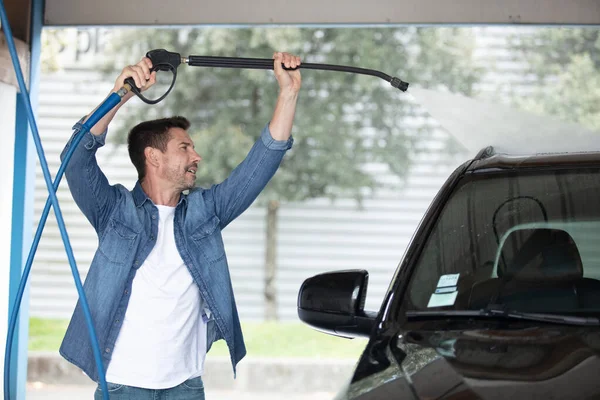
(499, 234)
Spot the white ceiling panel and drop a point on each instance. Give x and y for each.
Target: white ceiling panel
(248, 12)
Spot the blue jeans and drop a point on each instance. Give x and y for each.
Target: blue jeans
(192, 389)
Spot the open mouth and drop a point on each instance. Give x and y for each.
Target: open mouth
(192, 171)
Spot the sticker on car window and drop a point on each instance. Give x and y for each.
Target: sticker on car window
(442, 299)
(446, 291)
(448, 280)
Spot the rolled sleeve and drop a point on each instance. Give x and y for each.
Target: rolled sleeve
(273, 144)
(89, 140)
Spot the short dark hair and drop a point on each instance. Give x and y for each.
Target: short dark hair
(153, 134)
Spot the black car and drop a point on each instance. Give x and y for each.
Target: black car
(497, 296)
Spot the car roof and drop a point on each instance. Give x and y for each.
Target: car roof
(488, 160)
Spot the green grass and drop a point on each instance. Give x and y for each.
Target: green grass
(292, 339)
(263, 339)
(46, 334)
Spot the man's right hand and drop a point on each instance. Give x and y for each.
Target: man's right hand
(141, 75)
(143, 78)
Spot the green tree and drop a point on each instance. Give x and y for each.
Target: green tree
(343, 121)
(53, 42)
(565, 64)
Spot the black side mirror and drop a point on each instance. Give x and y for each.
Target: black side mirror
(334, 303)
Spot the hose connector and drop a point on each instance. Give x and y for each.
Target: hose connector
(124, 90)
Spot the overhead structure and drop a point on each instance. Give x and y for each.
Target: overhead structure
(241, 12)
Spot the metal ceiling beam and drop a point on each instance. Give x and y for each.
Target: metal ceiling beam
(19, 16)
(321, 12)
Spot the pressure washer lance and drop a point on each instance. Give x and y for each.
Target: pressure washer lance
(163, 60)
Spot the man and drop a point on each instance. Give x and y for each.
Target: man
(158, 287)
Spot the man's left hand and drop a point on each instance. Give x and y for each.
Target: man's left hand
(289, 80)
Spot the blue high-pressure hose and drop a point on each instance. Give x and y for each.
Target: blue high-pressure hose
(105, 107)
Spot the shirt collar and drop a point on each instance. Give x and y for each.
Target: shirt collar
(140, 197)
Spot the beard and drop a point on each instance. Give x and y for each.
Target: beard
(182, 180)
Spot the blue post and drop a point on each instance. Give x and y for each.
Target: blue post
(22, 215)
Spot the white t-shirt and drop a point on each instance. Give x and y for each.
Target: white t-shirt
(162, 341)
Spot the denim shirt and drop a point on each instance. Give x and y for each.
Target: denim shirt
(127, 224)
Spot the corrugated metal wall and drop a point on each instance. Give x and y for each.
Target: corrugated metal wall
(314, 237)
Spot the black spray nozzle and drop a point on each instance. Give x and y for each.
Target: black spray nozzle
(163, 60)
(266, 63)
(399, 84)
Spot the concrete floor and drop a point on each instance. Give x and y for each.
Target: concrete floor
(39, 391)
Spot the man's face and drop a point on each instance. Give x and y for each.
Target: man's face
(179, 162)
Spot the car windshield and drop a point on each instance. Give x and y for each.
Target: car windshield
(523, 240)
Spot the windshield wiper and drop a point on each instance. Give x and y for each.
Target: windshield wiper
(498, 312)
